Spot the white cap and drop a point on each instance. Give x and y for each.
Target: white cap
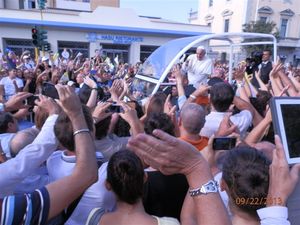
(26, 56)
(45, 58)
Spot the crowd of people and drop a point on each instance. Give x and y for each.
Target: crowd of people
(79, 147)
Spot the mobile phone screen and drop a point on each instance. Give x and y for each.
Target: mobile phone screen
(224, 143)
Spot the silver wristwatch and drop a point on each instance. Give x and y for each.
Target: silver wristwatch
(210, 187)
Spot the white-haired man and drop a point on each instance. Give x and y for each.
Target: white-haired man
(198, 67)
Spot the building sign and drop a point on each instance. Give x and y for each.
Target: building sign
(116, 39)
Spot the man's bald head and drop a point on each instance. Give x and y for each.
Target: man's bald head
(192, 118)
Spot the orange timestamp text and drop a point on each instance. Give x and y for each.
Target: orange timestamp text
(258, 201)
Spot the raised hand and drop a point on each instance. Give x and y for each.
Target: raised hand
(68, 100)
(276, 68)
(282, 180)
(17, 101)
(100, 112)
(90, 82)
(226, 127)
(166, 153)
(47, 104)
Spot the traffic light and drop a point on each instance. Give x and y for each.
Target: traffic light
(42, 4)
(47, 47)
(42, 37)
(39, 36)
(34, 33)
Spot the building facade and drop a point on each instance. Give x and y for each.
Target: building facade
(81, 5)
(117, 31)
(230, 15)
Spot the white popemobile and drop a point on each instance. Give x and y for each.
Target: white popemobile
(156, 68)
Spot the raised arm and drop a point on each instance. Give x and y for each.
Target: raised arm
(243, 105)
(67, 189)
(130, 116)
(94, 93)
(33, 155)
(282, 183)
(260, 82)
(287, 82)
(258, 131)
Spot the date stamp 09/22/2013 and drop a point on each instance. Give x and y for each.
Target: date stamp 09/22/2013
(258, 201)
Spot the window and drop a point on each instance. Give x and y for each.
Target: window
(19, 45)
(226, 25)
(211, 2)
(114, 50)
(263, 19)
(146, 51)
(31, 4)
(283, 27)
(76, 47)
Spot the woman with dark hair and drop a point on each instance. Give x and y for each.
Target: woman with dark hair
(245, 179)
(126, 177)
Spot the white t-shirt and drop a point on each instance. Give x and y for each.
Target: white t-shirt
(9, 87)
(197, 70)
(60, 165)
(212, 122)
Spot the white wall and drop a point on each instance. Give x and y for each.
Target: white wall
(12, 4)
(73, 5)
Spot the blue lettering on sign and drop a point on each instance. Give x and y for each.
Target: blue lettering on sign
(116, 39)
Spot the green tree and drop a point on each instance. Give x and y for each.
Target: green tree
(259, 27)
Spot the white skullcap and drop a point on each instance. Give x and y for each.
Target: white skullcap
(201, 47)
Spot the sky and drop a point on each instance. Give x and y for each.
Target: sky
(176, 10)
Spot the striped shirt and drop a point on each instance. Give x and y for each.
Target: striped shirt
(25, 209)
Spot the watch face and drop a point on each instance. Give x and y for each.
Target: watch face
(211, 186)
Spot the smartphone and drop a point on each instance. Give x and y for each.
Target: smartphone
(30, 100)
(49, 90)
(115, 108)
(224, 143)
